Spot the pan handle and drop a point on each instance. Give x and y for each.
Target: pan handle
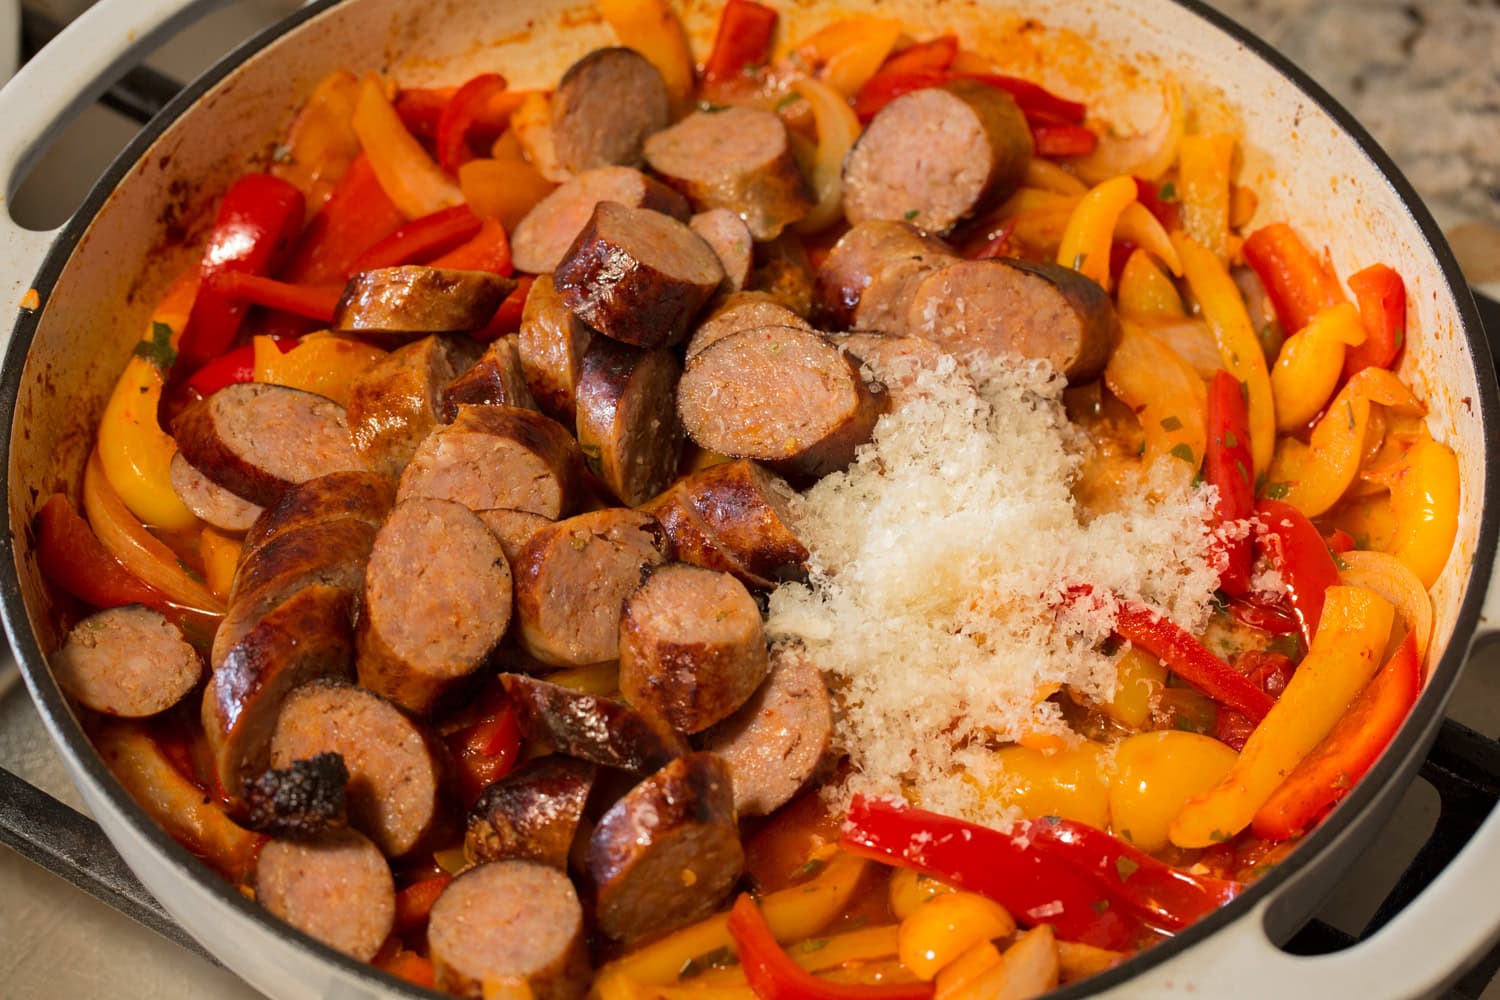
(61, 80)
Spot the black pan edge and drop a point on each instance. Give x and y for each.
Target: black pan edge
(1409, 745)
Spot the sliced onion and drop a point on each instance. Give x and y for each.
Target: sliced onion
(1147, 154)
(1193, 341)
(1390, 578)
(837, 129)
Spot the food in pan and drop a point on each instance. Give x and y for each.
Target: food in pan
(823, 523)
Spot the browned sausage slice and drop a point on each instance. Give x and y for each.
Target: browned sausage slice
(938, 155)
(867, 280)
(210, 501)
(692, 649)
(627, 418)
(572, 578)
(337, 889)
(496, 379)
(544, 235)
(394, 776)
(302, 800)
(514, 928)
(785, 396)
(980, 310)
(589, 727)
(436, 602)
(552, 342)
(297, 553)
(514, 528)
(668, 852)
(604, 107)
(531, 813)
(691, 542)
(741, 311)
(784, 272)
(895, 362)
(362, 496)
(739, 158)
(732, 242)
(397, 401)
(777, 741)
(258, 440)
(308, 637)
(497, 456)
(637, 275)
(127, 661)
(404, 303)
(747, 512)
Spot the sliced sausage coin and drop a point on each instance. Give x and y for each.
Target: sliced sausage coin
(869, 277)
(605, 107)
(552, 342)
(221, 508)
(403, 303)
(128, 661)
(637, 275)
(514, 528)
(337, 889)
(437, 601)
(533, 812)
(741, 311)
(627, 418)
(747, 511)
(668, 852)
(496, 379)
(591, 727)
(544, 235)
(731, 240)
(691, 542)
(362, 496)
(692, 649)
(895, 362)
(398, 400)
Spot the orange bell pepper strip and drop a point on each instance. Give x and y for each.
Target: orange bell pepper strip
(1298, 283)
(1424, 499)
(1145, 293)
(1344, 655)
(489, 250)
(1086, 241)
(414, 903)
(1381, 295)
(1203, 164)
(505, 186)
(460, 116)
(1224, 309)
(321, 144)
(420, 240)
(409, 177)
(221, 556)
(742, 42)
(1311, 361)
(324, 363)
(1312, 478)
(1348, 752)
(408, 966)
(651, 27)
(845, 54)
(71, 556)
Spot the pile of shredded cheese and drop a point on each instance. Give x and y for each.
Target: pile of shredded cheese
(939, 564)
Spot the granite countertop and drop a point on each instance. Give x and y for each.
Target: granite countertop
(1422, 75)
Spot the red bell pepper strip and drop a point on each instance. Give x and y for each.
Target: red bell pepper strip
(1381, 295)
(507, 318)
(1035, 99)
(742, 40)
(934, 54)
(420, 240)
(996, 245)
(1168, 213)
(773, 975)
(1296, 281)
(237, 365)
(358, 215)
(1348, 752)
(1339, 541)
(421, 108)
(489, 250)
(1034, 887)
(414, 903)
(1226, 465)
(1267, 671)
(1190, 659)
(1053, 140)
(1041, 106)
(71, 556)
(1277, 618)
(1297, 550)
(922, 65)
(486, 751)
(1159, 894)
(258, 219)
(463, 111)
(312, 301)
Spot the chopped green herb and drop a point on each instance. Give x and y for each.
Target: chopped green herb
(1100, 906)
(1171, 424)
(1361, 541)
(809, 868)
(912, 213)
(1168, 192)
(1400, 338)
(1128, 835)
(1197, 479)
(750, 69)
(713, 109)
(1125, 867)
(1230, 440)
(1338, 561)
(1278, 491)
(1219, 836)
(593, 457)
(1078, 261)
(1142, 449)
(1349, 408)
(788, 101)
(281, 154)
(1245, 391)
(158, 350)
(1052, 820)
(1289, 645)
(1184, 451)
(1244, 472)
(812, 944)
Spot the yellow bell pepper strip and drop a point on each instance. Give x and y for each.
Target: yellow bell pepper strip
(1139, 679)
(1091, 229)
(1224, 309)
(1311, 361)
(135, 451)
(1049, 176)
(1155, 775)
(221, 554)
(837, 130)
(324, 363)
(408, 176)
(505, 186)
(1146, 294)
(1349, 751)
(1138, 227)
(1345, 653)
(1203, 164)
(941, 931)
(1070, 783)
(1424, 499)
(845, 54)
(139, 551)
(1313, 478)
(321, 144)
(794, 913)
(1166, 394)
(651, 28)
(1392, 579)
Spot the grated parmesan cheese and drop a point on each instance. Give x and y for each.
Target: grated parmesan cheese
(939, 560)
